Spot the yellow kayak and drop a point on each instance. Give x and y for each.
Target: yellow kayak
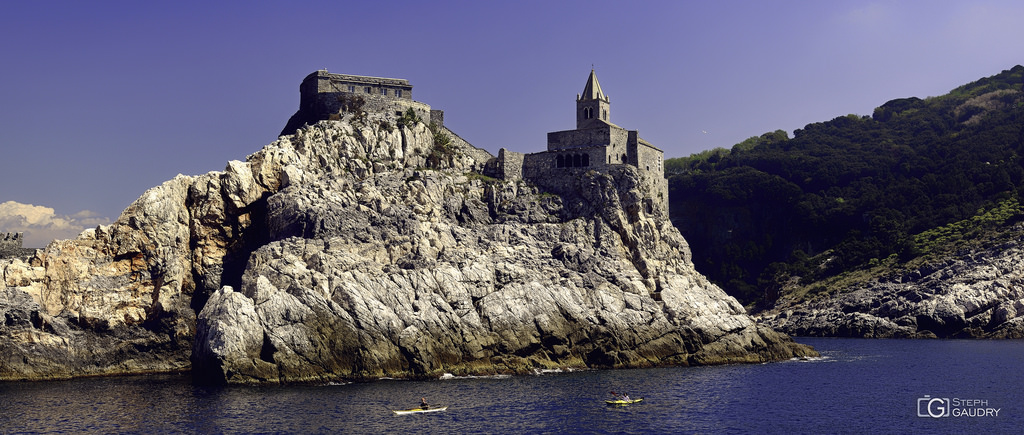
(419, 410)
(624, 402)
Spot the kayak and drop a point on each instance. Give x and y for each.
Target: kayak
(624, 402)
(419, 410)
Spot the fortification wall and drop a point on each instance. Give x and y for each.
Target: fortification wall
(480, 156)
(11, 246)
(322, 94)
(323, 82)
(10, 241)
(437, 117)
(509, 165)
(344, 102)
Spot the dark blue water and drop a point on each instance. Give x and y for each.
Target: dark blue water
(858, 386)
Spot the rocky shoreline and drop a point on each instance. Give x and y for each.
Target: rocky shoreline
(978, 293)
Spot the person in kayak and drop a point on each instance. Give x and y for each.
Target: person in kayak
(423, 403)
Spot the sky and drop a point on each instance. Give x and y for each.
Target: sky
(102, 100)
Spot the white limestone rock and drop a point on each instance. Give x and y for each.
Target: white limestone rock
(976, 295)
(355, 259)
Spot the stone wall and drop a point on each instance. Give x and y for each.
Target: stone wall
(341, 102)
(546, 163)
(584, 138)
(322, 82)
(649, 158)
(331, 93)
(323, 94)
(10, 241)
(480, 156)
(509, 165)
(11, 246)
(437, 117)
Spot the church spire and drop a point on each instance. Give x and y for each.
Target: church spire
(592, 91)
(592, 105)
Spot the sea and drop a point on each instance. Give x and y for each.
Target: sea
(856, 386)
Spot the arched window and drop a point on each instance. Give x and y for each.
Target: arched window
(559, 162)
(576, 161)
(586, 160)
(588, 113)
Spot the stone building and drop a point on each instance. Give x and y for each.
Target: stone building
(322, 94)
(595, 144)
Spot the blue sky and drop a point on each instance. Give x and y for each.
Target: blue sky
(102, 100)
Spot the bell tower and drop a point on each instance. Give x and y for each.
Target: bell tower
(592, 105)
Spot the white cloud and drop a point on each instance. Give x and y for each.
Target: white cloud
(42, 225)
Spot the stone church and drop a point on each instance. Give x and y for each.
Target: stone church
(595, 144)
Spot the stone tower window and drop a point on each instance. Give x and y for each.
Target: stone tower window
(351, 88)
(367, 90)
(398, 93)
(559, 162)
(384, 92)
(586, 160)
(588, 113)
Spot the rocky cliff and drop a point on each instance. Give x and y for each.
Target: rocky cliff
(361, 249)
(976, 293)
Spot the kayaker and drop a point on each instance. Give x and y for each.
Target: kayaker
(423, 403)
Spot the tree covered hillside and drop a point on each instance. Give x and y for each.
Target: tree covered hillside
(854, 192)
